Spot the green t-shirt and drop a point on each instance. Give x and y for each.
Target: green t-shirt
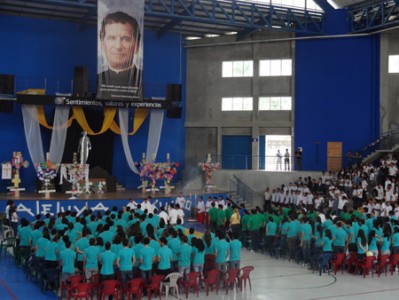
(255, 222)
(221, 217)
(213, 214)
(245, 221)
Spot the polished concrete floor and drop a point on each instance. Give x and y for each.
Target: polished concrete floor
(271, 279)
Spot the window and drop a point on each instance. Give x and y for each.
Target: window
(275, 103)
(237, 104)
(275, 67)
(237, 68)
(393, 64)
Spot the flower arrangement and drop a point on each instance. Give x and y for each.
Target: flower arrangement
(46, 170)
(18, 161)
(150, 172)
(208, 167)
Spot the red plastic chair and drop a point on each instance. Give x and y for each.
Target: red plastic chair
(69, 284)
(108, 288)
(95, 282)
(209, 263)
(154, 285)
(82, 291)
(211, 280)
(193, 280)
(394, 262)
(338, 262)
(365, 265)
(351, 261)
(382, 264)
(245, 276)
(134, 287)
(232, 279)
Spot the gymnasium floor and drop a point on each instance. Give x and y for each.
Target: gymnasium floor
(271, 279)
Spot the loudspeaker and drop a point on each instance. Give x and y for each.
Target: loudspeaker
(6, 106)
(80, 81)
(173, 98)
(7, 84)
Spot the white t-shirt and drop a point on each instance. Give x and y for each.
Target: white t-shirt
(201, 207)
(164, 216)
(180, 215)
(173, 216)
(181, 201)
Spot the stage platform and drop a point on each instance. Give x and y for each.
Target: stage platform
(31, 204)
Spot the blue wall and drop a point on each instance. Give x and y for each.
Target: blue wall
(336, 95)
(37, 49)
(237, 151)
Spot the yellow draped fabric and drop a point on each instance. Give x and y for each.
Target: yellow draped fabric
(108, 123)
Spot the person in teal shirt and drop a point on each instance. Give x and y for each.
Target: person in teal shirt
(90, 259)
(107, 259)
(184, 258)
(81, 245)
(385, 243)
(147, 258)
(198, 255)
(305, 237)
(164, 257)
(327, 249)
(362, 245)
(174, 244)
(51, 252)
(125, 261)
(271, 232)
(235, 252)
(372, 241)
(222, 250)
(67, 261)
(339, 238)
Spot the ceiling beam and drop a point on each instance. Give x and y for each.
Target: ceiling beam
(324, 5)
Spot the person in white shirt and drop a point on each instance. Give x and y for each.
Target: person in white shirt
(385, 209)
(342, 200)
(173, 215)
(378, 192)
(279, 159)
(180, 213)
(208, 206)
(393, 170)
(163, 215)
(221, 202)
(201, 210)
(132, 204)
(146, 205)
(180, 200)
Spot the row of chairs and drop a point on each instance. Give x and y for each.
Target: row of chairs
(367, 265)
(76, 287)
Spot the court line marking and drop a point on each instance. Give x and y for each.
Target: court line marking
(7, 289)
(355, 294)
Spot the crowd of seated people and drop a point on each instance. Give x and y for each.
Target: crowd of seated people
(126, 244)
(352, 211)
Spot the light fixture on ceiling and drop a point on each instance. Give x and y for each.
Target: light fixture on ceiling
(211, 35)
(192, 38)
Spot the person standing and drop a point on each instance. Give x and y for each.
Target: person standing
(107, 259)
(298, 158)
(125, 260)
(164, 257)
(279, 158)
(235, 222)
(184, 261)
(201, 211)
(147, 258)
(286, 160)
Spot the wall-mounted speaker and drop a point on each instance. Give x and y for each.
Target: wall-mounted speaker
(174, 97)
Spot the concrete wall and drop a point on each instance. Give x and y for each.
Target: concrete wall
(206, 123)
(389, 93)
(259, 180)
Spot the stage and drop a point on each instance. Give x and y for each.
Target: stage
(31, 204)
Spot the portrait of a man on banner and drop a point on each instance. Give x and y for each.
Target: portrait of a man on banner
(120, 50)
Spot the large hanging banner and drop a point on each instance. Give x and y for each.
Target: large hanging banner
(120, 49)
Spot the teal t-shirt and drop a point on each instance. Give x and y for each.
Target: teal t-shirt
(184, 257)
(395, 239)
(91, 253)
(235, 249)
(327, 244)
(107, 259)
(125, 257)
(373, 244)
(154, 244)
(82, 244)
(174, 245)
(165, 255)
(292, 229)
(271, 228)
(35, 236)
(41, 247)
(359, 249)
(24, 234)
(51, 251)
(147, 255)
(222, 247)
(385, 244)
(68, 261)
(137, 250)
(339, 237)
(306, 229)
(199, 257)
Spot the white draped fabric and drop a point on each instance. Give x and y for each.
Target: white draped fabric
(154, 134)
(34, 137)
(123, 124)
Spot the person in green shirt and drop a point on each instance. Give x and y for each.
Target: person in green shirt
(213, 217)
(253, 226)
(164, 257)
(125, 261)
(245, 231)
(221, 221)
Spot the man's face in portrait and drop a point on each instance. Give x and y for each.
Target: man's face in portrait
(119, 44)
